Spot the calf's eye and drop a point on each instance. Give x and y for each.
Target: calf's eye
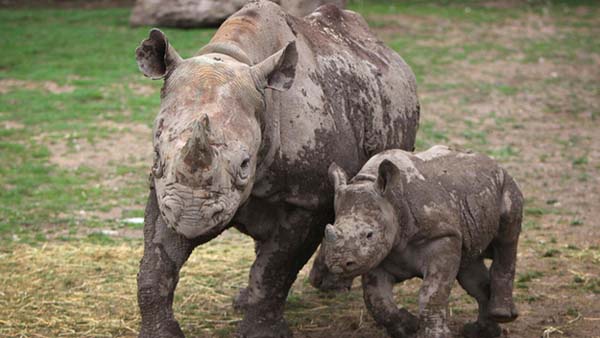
(370, 234)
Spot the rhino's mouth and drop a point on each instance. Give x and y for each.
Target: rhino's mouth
(346, 266)
(193, 216)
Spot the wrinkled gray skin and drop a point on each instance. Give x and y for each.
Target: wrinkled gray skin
(244, 136)
(434, 215)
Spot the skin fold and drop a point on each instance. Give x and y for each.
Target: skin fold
(434, 215)
(244, 136)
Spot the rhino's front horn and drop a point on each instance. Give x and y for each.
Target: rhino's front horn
(330, 234)
(197, 152)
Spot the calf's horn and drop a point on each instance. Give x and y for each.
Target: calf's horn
(330, 234)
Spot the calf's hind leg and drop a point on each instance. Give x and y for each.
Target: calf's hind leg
(502, 308)
(475, 279)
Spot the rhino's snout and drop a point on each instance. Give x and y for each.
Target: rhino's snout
(342, 264)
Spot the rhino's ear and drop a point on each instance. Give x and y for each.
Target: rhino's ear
(155, 57)
(388, 176)
(337, 176)
(278, 70)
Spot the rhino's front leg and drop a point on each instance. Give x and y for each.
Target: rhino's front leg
(165, 252)
(440, 270)
(377, 292)
(278, 260)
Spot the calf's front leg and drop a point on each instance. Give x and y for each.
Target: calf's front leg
(440, 269)
(377, 292)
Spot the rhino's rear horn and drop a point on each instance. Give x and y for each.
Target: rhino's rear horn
(197, 152)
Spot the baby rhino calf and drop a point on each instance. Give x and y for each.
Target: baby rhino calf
(434, 215)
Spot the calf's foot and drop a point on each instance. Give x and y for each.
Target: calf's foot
(502, 311)
(404, 324)
(480, 330)
(429, 332)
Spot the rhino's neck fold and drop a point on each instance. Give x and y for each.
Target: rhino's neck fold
(252, 34)
(228, 49)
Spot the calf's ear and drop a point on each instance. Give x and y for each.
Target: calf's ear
(155, 56)
(388, 176)
(337, 176)
(278, 70)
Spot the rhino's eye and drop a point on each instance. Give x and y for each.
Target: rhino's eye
(370, 234)
(244, 171)
(245, 163)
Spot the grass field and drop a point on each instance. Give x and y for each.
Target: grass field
(518, 80)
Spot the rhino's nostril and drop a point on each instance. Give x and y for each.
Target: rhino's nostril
(350, 264)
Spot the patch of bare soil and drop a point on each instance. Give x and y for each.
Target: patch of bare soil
(12, 125)
(7, 85)
(142, 90)
(129, 145)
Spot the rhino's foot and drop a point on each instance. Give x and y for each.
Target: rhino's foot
(481, 330)
(404, 326)
(502, 312)
(168, 329)
(264, 329)
(240, 302)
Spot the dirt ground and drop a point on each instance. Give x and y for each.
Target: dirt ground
(539, 117)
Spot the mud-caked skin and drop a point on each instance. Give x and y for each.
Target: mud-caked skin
(244, 137)
(434, 215)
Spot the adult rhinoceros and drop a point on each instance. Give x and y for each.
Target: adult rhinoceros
(246, 131)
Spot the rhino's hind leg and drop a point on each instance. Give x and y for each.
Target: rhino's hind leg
(502, 308)
(321, 278)
(278, 260)
(165, 252)
(377, 292)
(475, 279)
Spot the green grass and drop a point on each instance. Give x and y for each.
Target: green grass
(92, 52)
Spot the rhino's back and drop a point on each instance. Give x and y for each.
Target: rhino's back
(352, 97)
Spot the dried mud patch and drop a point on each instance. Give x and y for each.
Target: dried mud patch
(12, 125)
(129, 144)
(512, 72)
(142, 90)
(8, 85)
